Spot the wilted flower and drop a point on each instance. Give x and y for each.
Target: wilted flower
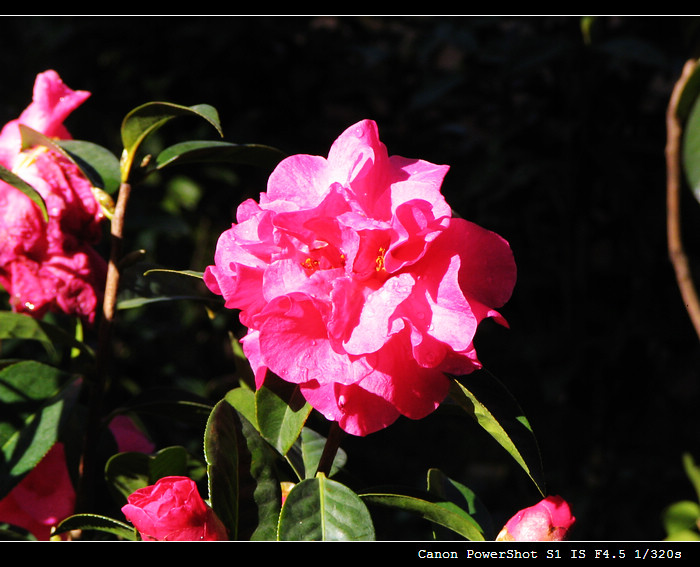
(173, 510)
(49, 266)
(356, 282)
(548, 520)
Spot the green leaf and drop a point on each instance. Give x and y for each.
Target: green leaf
(681, 516)
(461, 500)
(143, 284)
(147, 118)
(688, 97)
(321, 509)
(494, 409)
(690, 149)
(99, 165)
(436, 512)
(243, 487)
(312, 444)
(127, 472)
(692, 471)
(97, 523)
(17, 182)
(280, 418)
(202, 151)
(36, 400)
(23, 327)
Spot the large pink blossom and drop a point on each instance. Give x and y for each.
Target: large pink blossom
(172, 510)
(355, 281)
(49, 266)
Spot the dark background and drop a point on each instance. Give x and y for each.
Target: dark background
(555, 137)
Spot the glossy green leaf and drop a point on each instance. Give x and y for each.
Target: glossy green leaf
(243, 487)
(494, 409)
(437, 512)
(94, 522)
(127, 472)
(202, 151)
(99, 165)
(23, 327)
(689, 95)
(321, 509)
(35, 402)
(147, 118)
(279, 419)
(690, 150)
(461, 500)
(312, 444)
(17, 182)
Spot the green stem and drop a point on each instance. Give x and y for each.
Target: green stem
(98, 385)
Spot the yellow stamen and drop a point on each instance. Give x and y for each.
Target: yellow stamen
(380, 260)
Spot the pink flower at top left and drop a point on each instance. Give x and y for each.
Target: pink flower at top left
(49, 266)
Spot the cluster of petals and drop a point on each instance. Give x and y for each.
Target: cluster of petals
(173, 510)
(548, 520)
(49, 266)
(357, 283)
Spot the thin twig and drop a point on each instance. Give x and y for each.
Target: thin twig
(673, 184)
(98, 384)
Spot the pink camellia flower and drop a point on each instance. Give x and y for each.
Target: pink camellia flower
(356, 283)
(49, 266)
(173, 510)
(548, 520)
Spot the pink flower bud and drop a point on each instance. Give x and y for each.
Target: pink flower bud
(173, 510)
(548, 520)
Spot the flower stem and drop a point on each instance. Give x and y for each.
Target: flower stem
(673, 177)
(330, 449)
(98, 384)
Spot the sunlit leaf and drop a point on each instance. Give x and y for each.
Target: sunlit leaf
(243, 487)
(321, 509)
(279, 419)
(147, 118)
(35, 402)
(94, 522)
(681, 517)
(427, 508)
(494, 409)
(460, 499)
